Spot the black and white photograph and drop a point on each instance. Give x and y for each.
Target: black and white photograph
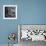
(9, 11)
(31, 34)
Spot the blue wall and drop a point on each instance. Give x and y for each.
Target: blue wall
(28, 12)
(7, 26)
(33, 12)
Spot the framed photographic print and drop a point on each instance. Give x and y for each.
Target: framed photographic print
(31, 32)
(9, 11)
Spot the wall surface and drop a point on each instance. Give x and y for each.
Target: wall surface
(28, 12)
(7, 26)
(33, 12)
